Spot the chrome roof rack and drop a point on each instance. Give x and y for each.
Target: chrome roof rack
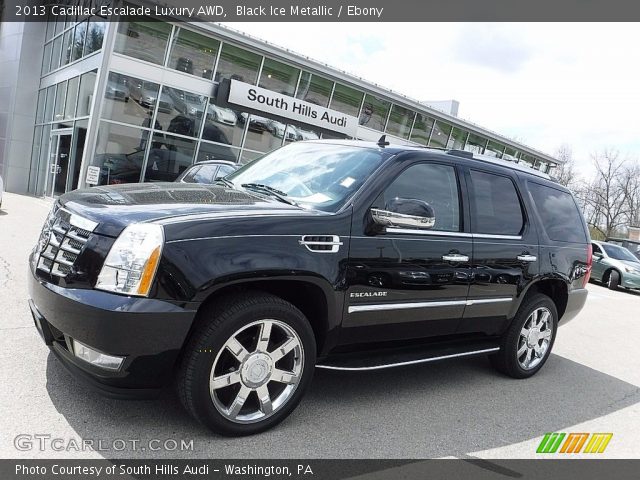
(498, 161)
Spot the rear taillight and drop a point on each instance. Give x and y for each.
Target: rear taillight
(589, 262)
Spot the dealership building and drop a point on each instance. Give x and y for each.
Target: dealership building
(84, 101)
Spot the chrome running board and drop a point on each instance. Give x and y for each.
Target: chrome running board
(409, 362)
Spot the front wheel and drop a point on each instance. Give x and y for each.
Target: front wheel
(527, 344)
(613, 281)
(248, 364)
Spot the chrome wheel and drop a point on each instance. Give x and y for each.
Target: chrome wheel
(256, 371)
(535, 338)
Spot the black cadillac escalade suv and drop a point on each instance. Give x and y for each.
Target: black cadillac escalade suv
(324, 254)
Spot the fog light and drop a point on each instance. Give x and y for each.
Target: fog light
(93, 357)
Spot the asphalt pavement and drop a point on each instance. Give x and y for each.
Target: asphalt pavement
(460, 408)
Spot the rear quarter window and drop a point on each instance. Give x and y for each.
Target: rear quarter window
(559, 213)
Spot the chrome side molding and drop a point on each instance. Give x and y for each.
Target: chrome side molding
(376, 307)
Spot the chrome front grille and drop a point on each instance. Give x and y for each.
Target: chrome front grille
(63, 237)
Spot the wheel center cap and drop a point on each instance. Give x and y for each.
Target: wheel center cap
(533, 338)
(256, 370)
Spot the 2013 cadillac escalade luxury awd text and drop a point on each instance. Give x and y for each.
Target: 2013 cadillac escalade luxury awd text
(322, 254)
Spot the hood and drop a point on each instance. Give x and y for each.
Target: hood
(116, 206)
(630, 264)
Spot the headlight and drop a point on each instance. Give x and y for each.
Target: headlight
(133, 260)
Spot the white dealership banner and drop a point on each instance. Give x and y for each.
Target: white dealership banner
(267, 101)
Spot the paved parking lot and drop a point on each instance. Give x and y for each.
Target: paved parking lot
(459, 408)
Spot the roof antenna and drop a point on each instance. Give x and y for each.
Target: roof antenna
(383, 141)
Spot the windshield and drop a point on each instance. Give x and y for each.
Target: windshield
(313, 175)
(619, 253)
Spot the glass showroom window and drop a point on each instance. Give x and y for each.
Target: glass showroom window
(458, 139)
(238, 64)
(95, 36)
(314, 89)
(143, 40)
(475, 143)
(422, 129)
(263, 134)
(85, 93)
(193, 53)
(129, 100)
(374, 112)
(169, 156)
(180, 112)
(55, 53)
(67, 47)
(440, 135)
(510, 154)
(42, 96)
(494, 149)
(48, 108)
(215, 151)
(527, 159)
(46, 58)
(346, 100)
(72, 97)
(61, 95)
(279, 77)
(223, 125)
(248, 156)
(118, 153)
(80, 34)
(400, 121)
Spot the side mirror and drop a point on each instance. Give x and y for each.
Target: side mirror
(597, 255)
(405, 212)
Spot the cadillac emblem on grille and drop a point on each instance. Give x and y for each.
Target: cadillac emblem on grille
(63, 236)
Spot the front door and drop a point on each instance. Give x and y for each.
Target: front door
(409, 282)
(58, 164)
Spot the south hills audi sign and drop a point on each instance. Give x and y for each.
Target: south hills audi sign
(269, 102)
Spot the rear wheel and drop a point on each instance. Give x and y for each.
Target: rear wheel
(527, 344)
(613, 280)
(247, 365)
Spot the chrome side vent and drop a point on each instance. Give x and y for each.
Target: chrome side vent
(62, 239)
(321, 243)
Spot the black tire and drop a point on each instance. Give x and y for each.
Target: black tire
(216, 324)
(506, 360)
(613, 280)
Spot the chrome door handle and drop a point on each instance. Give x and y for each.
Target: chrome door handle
(455, 257)
(527, 258)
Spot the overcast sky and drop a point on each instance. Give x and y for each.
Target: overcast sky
(544, 83)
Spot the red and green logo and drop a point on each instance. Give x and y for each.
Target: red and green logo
(574, 442)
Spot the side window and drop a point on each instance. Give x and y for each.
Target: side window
(224, 171)
(596, 249)
(559, 214)
(433, 183)
(205, 174)
(189, 177)
(495, 205)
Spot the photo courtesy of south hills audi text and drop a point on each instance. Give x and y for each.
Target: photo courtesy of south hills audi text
(319, 239)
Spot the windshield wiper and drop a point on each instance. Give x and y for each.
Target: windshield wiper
(274, 192)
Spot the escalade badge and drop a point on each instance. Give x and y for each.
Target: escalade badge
(367, 294)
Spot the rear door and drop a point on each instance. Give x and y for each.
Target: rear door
(505, 249)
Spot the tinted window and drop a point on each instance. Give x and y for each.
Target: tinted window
(495, 207)
(559, 214)
(224, 171)
(596, 249)
(619, 253)
(432, 183)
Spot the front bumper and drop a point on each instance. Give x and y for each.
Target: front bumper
(148, 333)
(575, 302)
(630, 280)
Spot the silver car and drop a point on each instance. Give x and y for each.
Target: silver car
(615, 266)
